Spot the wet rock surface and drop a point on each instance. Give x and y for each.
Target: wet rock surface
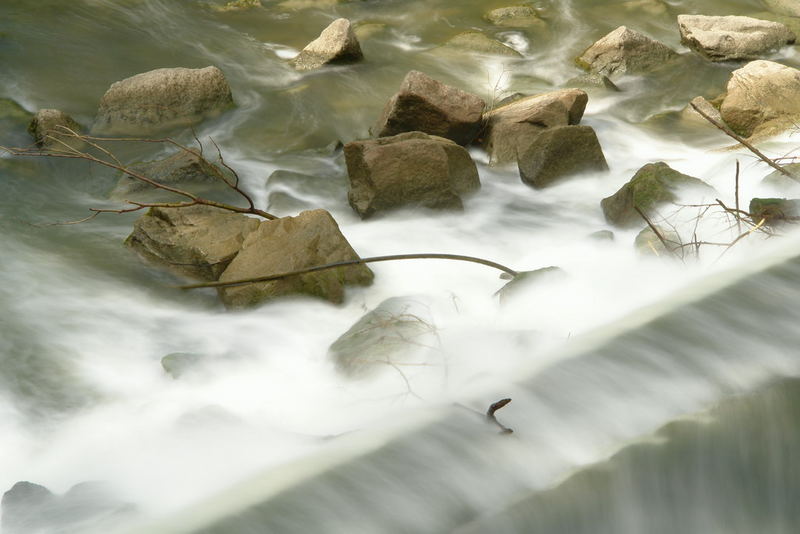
(560, 152)
(625, 51)
(335, 45)
(732, 37)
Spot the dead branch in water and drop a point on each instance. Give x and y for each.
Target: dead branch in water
(491, 417)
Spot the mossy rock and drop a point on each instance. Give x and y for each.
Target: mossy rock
(774, 210)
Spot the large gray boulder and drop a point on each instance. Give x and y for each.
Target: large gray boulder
(409, 169)
(50, 128)
(336, 44)
(510, 129)
(732, 37)
(181, 169)
(653, 185)
(763, 96)
(283, 245)
(624, 51)
(197, 241)
(560, 152)
(162, 99)
(426, 105)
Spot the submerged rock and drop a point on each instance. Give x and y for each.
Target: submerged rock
(409, 169)
(283, 245)
(652, 185)
(783, 182)
(178, 364)
(49, 128)
(25, 507)
(732, 37)
(474, 41)
(559, 152)
(774, 210)
(783, 7)
(515, 17)
(161, 99)
(14, 122)
(336, 44)
(180, 169)
(510, 129)
(647, 242)
(198, 241)
(526, 279)
(426, 105)
(602, 235)
(237, 5)
(625, 51)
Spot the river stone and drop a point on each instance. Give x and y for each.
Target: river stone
(784, 7)
(392, 333)
(706, 107)
(177, 364)
(236, 5)
(762, 96)
(197, 241)
(426, 105)
(408, 169)
(48, 130)
(180, 169)
(732, 37)
(510, 129)
(288, 244)
(774, 210)
(336, 44)
(515, 17)
(652, 185)
(624, 51)
(25, 507)
(525, 279)
(647, 242)
(559, 152)
(161, 99)
(474, 41)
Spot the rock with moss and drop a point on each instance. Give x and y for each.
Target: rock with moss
(515, 17)
(474, 41)
(186, 170)
(337, 44)
(427, 105)
(732, 37)
(162, 99)
(560, 152)
(652, 185)
(648, 243)
(783, 7)
(409, 169)
(197, 242)
(510, 129)
(525, 279)
(52, 129)
(625, 51)
(774, 210)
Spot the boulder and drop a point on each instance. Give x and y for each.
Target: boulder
(625, 51)
(647, 242)
(426, 105)
(197, 241)
(162, 99)
(394, 332)
(180, 169)
(732, 37)
(762, 96)
(652, 185)
(783, 7)
(515, 17)
(48, 130)
(774, 210)
(706, 107)
(336, 44)
(473, 41)
(510, 129)
(409, 169)
(559, 152)
(288, 244)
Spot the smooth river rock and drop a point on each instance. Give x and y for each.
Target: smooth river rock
(181, 169)
(336, 44)
(560, 152)
(732, 37)
(624, 51)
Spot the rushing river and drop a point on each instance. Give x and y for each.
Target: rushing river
(85, 323)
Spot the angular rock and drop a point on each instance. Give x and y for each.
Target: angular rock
(426, 105)
(48, 130)
(161, 99)
(762, 96)
(706, 107)
(732, 37)
(559, 152)
(625, 51)
(409, 169)
(180, 169)
(647, 242)
(510, 129)
(652, 185)
(774, 210)
(336, 44)
(288, 244)
(198, 241)
(784, 7)
(473, 41)
(515, 17)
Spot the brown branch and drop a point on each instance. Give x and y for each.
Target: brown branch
(655, 231)
(491, 417)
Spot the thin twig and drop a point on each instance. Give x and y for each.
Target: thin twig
(655, 231)
(491, 417)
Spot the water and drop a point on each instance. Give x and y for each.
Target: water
(82, 393)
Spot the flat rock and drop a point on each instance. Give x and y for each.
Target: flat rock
(162, 99)
(515, 17)
(560, 152)
(180, 169)
(49, 129)
(283, 245)
(625, 51)
(732, 37)
(336, 44)
(427, 105)
(408, 169)
(474, 41)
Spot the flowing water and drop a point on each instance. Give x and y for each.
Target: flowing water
(83, 396)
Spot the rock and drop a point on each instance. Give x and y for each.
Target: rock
(288, 244)
(178, 364)
(510, 129)
(394, 332)
(25, 507)
(474, 41)
(648, 243)
(783, 7)
(706, 107)
(426, 105)
(732, 37)
(602, 235)
(198, 241)
(48, 130)
(368, 30)
(515, 17)
(625, 51)
(762, 96)
(409, 169)
(526, 279)
(653, 184)
(781, 181)
(162, 99)
(793, 23)
(559, 152)
(336, 44)
(180, 169)
(237, 5)
(774, 210)
(309, 4)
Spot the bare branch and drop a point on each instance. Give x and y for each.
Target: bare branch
(491, 417)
